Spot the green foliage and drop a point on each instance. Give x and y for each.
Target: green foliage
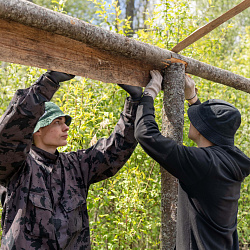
(125, 210)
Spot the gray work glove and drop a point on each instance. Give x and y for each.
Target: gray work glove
(135, 92)
(154, 86)
(190, 90)
(58, 77)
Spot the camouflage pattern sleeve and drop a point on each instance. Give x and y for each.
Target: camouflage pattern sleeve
(18, 122)
(108, 155)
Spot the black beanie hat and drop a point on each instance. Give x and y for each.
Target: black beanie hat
(216, 120)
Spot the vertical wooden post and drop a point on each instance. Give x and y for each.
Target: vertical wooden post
(172, 126)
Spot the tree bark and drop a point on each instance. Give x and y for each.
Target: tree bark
(32, 15)
(120, 48)
(33, 47)
(172, 127)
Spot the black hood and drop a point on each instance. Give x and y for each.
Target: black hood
(240, 161)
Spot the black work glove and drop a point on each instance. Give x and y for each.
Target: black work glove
(135, 92)
(58, 76)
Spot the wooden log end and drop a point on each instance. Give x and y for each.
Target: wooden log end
(174, 60)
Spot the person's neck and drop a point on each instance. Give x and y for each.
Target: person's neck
(204, 143)
(51, 150)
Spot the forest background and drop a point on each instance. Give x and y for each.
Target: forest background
(125, 210)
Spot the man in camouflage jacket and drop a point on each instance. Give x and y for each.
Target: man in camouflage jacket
(44, 194)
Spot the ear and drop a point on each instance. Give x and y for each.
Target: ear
(35, 136)
(38, 133)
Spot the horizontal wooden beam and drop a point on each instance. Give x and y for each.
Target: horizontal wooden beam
(35, 36)
(33, 47)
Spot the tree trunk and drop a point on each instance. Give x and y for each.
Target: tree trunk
(144, 15)
(130, 7)
(120, 59)
(172, 127)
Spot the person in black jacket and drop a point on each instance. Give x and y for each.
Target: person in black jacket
(210, 175)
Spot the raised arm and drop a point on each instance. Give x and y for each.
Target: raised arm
(18, 122)
(179, 160)
(108, 155)
(191, 91)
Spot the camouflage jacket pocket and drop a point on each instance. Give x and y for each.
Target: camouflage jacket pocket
(39, 217)
(75, 209)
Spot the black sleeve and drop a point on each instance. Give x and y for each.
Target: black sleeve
(188, 164)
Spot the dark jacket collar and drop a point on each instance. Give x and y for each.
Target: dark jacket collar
(44, 156)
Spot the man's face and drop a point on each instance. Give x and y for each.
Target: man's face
(54, 135)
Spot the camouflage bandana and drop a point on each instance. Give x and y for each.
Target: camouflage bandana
(52, 111)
